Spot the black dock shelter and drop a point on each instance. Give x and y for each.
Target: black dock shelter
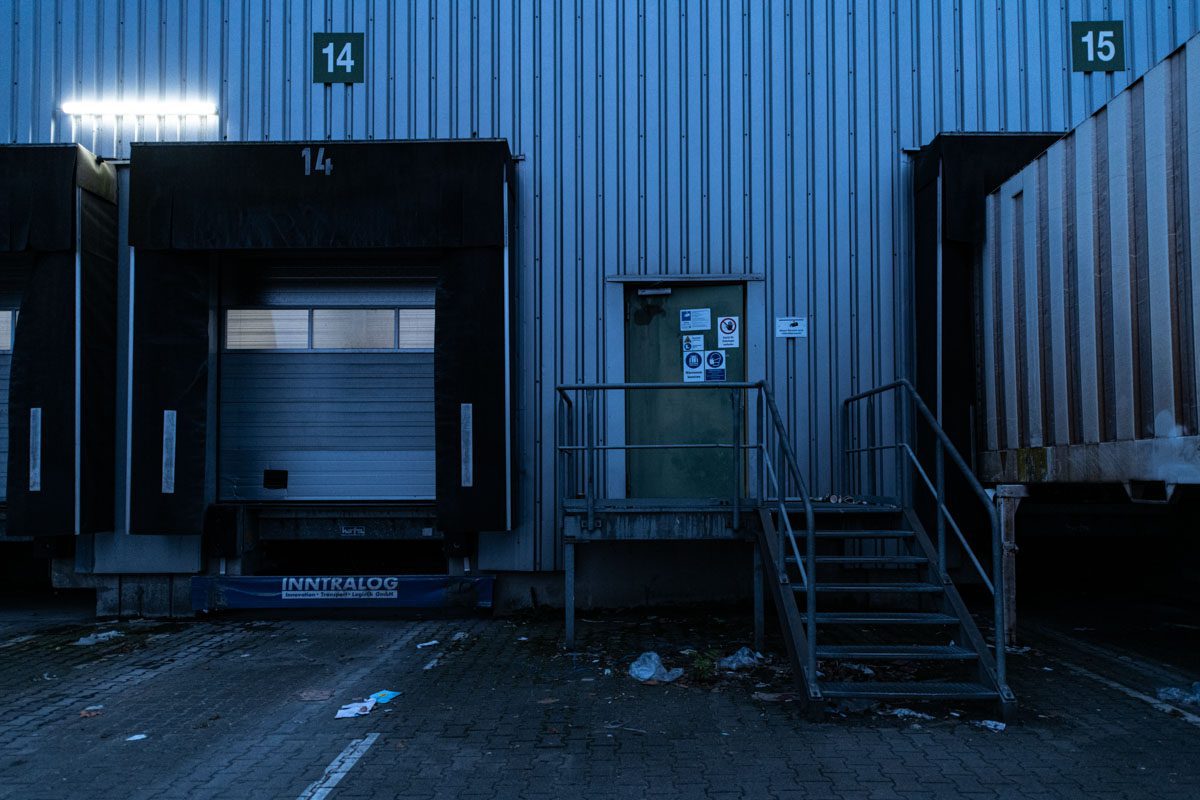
(284, 346)
(58, 262)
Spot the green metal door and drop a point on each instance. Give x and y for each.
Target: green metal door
(662, 327)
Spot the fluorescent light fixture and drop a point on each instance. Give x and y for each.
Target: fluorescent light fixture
(138, 108)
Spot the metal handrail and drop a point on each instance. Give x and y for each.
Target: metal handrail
(565, 427)
(938, 489)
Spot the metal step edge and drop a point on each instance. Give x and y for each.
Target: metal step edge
(900, 652)
(907, 561)
(875, 588)
(856, 533)
(916, 690)
(884, 618)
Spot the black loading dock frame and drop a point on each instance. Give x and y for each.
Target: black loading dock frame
(58, 239)
(194, 207)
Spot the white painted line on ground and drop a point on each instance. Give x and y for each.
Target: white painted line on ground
(1166, 708)
(337, 769)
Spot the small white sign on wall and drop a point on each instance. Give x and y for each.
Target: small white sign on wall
(693, 367)
(693, 342)
(729, 332)
(695, 319)
(714, 365)
(791, 327)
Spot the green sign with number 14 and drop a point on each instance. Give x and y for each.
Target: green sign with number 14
(338, 57)
(1098, 46)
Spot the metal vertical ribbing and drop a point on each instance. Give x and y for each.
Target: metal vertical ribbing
(941, 505)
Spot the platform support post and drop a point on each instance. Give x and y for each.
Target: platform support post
(758, 598)
(1008, 498)
(569, 591)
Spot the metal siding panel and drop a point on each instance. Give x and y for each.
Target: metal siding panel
(1085, 268)
(1118, 236)
(1011, 343)
(1160, 344)
(1055, 361)
(987, 294)
(1030, 309)
(1192, 133)
(855, 86)
(5, 365)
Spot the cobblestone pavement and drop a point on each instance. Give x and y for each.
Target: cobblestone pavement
(242, 708)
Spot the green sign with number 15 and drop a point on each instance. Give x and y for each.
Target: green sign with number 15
(338, 57)
(1098, 46)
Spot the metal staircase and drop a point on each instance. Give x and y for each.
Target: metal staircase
(862, 591)
(864, 597)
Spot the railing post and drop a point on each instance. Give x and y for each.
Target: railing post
(901, 463)
(811, 590)
(589, 466)
(941, 507)
(844, 460)
(998, 595)
(762, 446)
(734, 396)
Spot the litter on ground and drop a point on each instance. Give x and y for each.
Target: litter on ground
(649, 667)
(96, 638)
(742, 659)
(360, 709)
(433, 663)
(990, 724)
(1189, 697)
(430, 643)
(137, 737)
(906, 713)
(384, 696)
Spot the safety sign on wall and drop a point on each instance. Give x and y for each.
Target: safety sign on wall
(791, 327)
(695, 319)
(714, 365)
(693, 342)
(728, 332)
(693, 367)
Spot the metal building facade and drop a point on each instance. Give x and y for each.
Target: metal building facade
(1088, 295)
(762, 141)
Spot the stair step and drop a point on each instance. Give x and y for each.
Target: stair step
(875, 588)
(897, 560)
(855, 534)
(848, 508)
(913, 690)
(884, 618)
(896, 652)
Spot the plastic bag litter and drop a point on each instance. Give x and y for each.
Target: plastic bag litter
(990, 724)
(906, 713)
(1190, 697)
(96, 638)
(137, 737)
(383, 696)
(649, 667)
(360, 709)
(742, 659)
(430, 643)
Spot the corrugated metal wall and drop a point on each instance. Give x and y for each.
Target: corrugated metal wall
(1088, 281)
(711, 137)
